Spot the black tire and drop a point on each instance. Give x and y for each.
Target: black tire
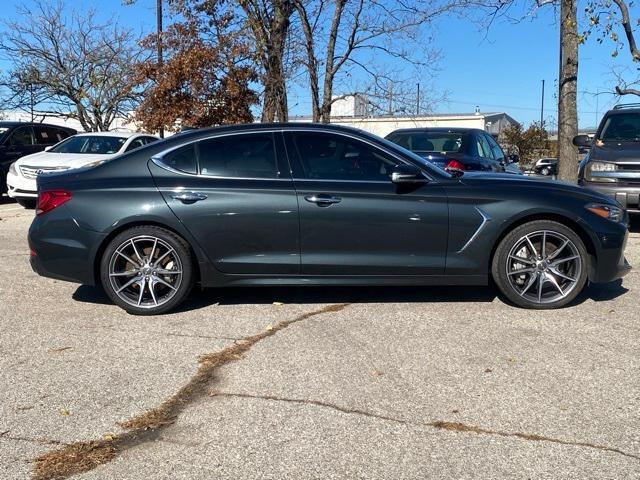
(544, 268)
(28, 203)
(183, 258)
(546, 171)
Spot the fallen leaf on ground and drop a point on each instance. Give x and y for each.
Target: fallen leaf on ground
(278, 304)
(64, 412)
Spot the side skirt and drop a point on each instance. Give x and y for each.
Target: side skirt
(258, 280)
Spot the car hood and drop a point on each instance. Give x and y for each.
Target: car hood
(497, 180)
(625, 152)
(65, 160)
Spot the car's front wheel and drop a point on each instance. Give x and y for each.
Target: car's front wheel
(147, 270)
(541, 264)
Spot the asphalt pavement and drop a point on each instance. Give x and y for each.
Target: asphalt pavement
(316, 383)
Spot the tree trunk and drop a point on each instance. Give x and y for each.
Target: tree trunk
(567, 95)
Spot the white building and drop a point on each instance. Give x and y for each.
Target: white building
(121, 124)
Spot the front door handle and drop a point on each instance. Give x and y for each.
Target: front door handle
(322, 199)
(189, 197)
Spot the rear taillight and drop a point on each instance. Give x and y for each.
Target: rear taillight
(50, 199)
(455, 165)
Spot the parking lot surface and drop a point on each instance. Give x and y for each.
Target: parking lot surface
(446, 382)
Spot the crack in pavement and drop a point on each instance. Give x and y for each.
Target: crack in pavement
(81, 457)
(41, 441)
(438, 424)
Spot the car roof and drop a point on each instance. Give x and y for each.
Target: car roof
(113, 134)
(620, 111)
(437, 129)
(10, 124)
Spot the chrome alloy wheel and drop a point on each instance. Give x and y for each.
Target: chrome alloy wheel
(544, 266)
(145, 271)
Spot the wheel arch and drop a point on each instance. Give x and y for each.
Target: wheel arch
(142, 223)
(555, 217)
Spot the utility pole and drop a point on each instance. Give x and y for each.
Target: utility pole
(159, 44)
(542, 107)
(418, 101)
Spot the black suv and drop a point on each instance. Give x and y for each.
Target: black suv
(455, 148)
(612, 164)
(18, 139)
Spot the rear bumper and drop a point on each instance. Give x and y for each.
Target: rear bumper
(61, 249)
(629, 197)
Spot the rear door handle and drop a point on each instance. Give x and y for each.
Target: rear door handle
(322, 199)
(189, 197)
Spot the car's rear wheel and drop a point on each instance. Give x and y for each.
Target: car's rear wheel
(541, 264)
(147, 270)
(29, 203)
(545, 171)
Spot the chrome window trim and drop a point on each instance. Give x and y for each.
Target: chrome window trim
(158, 157)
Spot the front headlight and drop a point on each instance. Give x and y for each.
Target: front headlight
(12, 169)
(598, 168)
(609, 212)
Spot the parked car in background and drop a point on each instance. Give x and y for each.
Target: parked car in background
(546, 166)
(460, 149)
(77, 151)
(312, 204)
(18, 139)
(612, 164)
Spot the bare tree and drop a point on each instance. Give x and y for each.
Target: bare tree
(341, 35)
(568, 91)
(79, 67)
(605, 18)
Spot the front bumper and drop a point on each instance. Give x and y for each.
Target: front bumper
(20, 187)
(610, 264)
(63, 250)
(628, 196)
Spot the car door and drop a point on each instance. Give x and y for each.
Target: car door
(21, 143)
(353, 219)
(234, 193)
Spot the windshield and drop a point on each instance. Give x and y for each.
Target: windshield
(621, 127)
(97, 144)
(428, 142)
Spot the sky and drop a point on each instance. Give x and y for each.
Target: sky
(498, 70)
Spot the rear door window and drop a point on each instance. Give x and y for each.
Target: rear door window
(239, 156)
(48, 135)
(137, 143)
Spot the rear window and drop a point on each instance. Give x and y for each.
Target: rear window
(621, 127)
(423, 142)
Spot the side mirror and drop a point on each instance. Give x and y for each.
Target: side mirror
(582, 141)
(407, 174)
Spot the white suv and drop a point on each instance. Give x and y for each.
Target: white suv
(81, 150)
